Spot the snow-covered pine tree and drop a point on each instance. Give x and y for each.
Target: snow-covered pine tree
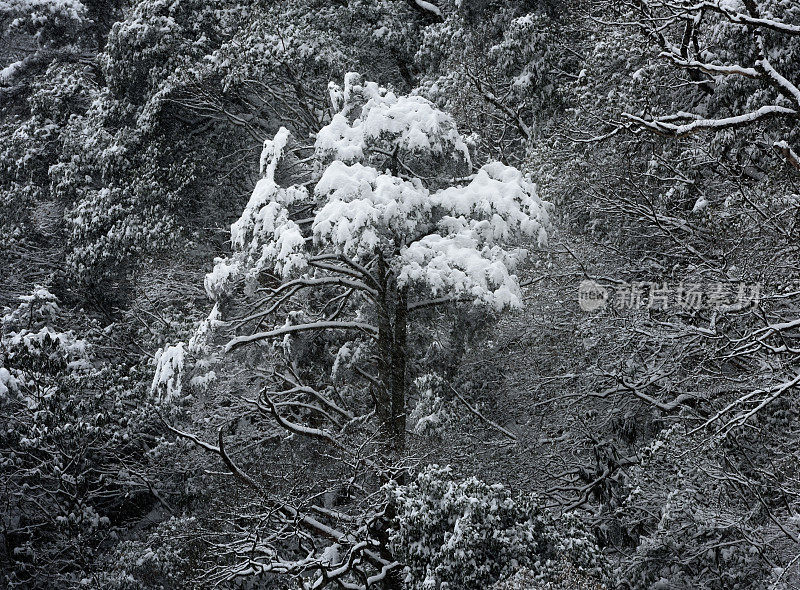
(383, 220)
(344, 254)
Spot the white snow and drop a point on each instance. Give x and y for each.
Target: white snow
(458, 241)
(7, 382)
(168, 378)
(410, 123)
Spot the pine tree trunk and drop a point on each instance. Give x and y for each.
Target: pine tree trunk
(392, 340)
(383, 400)
(398, 387)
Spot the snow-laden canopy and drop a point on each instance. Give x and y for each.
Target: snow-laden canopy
(454, 241)
(372, 119)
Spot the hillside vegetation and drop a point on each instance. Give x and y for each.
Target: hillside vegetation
(426, 295)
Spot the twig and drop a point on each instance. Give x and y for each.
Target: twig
(472, 409)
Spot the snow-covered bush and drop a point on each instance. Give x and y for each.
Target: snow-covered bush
(32, 347)
(165, 559)
(566, 578)
(71, 443)
(50, 22)
(431, 413)
(465, 535)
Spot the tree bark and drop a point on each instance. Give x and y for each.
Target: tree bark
(392, 340)
(383, 400)
(398, 386)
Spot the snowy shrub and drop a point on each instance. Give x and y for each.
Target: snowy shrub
(465, 535)
(70, 445)
(41, 305)
(50, 22)
(164, 559)
(431, 414)
(566, 578)
(31, 346)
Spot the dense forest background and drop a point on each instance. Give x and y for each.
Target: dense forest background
(441, 295)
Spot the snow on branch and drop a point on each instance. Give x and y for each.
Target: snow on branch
(428, 7)
(295, 329)
(788, 153)
(723, 8)
(663, 127)
(709, 68)
(784, 86)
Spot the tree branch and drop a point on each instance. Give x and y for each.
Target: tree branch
(284, 330)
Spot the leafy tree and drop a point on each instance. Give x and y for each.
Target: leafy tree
(500, 69)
